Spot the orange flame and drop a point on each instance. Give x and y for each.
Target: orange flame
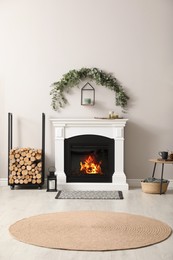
(90, 166)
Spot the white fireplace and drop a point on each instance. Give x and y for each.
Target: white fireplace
(70, 127)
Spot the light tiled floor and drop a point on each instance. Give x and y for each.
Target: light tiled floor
(19, 203)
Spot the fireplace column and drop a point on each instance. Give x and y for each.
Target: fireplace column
(59, 154)
(119, 175)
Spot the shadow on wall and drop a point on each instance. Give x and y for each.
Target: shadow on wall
(139, 148)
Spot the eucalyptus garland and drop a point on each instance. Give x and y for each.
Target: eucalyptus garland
(74, 77)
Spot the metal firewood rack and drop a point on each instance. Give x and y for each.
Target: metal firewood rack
(10, 146)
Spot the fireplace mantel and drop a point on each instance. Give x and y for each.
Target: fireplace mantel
(69, 127)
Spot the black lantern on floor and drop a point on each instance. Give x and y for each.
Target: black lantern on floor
(87, 95)
(51, 179)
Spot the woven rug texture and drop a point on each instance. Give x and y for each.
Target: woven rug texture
(74, 194)
(90, 230)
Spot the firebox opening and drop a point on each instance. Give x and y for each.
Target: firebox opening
(89, 158)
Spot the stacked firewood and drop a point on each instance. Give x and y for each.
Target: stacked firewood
(25, 166)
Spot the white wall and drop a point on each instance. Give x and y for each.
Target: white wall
(40, 40)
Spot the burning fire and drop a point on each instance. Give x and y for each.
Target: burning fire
(90, 166)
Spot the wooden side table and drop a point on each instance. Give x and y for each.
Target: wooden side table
(163, 162)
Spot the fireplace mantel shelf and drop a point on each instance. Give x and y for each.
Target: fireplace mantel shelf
(111, 128)
(86, 121)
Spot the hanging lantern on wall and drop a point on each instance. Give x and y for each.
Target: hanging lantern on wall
(87, 95)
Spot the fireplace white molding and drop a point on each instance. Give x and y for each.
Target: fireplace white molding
(70, 127)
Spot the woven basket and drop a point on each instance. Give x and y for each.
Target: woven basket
(154, 187)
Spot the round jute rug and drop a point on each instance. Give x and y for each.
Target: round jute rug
(90, 230)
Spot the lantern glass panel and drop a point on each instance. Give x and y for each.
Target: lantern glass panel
(52, 184)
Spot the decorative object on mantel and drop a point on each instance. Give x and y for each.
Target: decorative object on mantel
(117, 117)
(87, 95)
(112, 115)
(74, 77)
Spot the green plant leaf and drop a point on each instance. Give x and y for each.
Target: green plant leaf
(73, 78)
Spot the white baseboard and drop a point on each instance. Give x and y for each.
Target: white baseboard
(3, 182)
(132, 182)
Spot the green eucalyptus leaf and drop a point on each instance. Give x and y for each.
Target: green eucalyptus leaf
(73, 78)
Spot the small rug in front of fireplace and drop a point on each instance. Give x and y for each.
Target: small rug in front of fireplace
(78, 194)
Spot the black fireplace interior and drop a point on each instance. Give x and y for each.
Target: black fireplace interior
(89, 158)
